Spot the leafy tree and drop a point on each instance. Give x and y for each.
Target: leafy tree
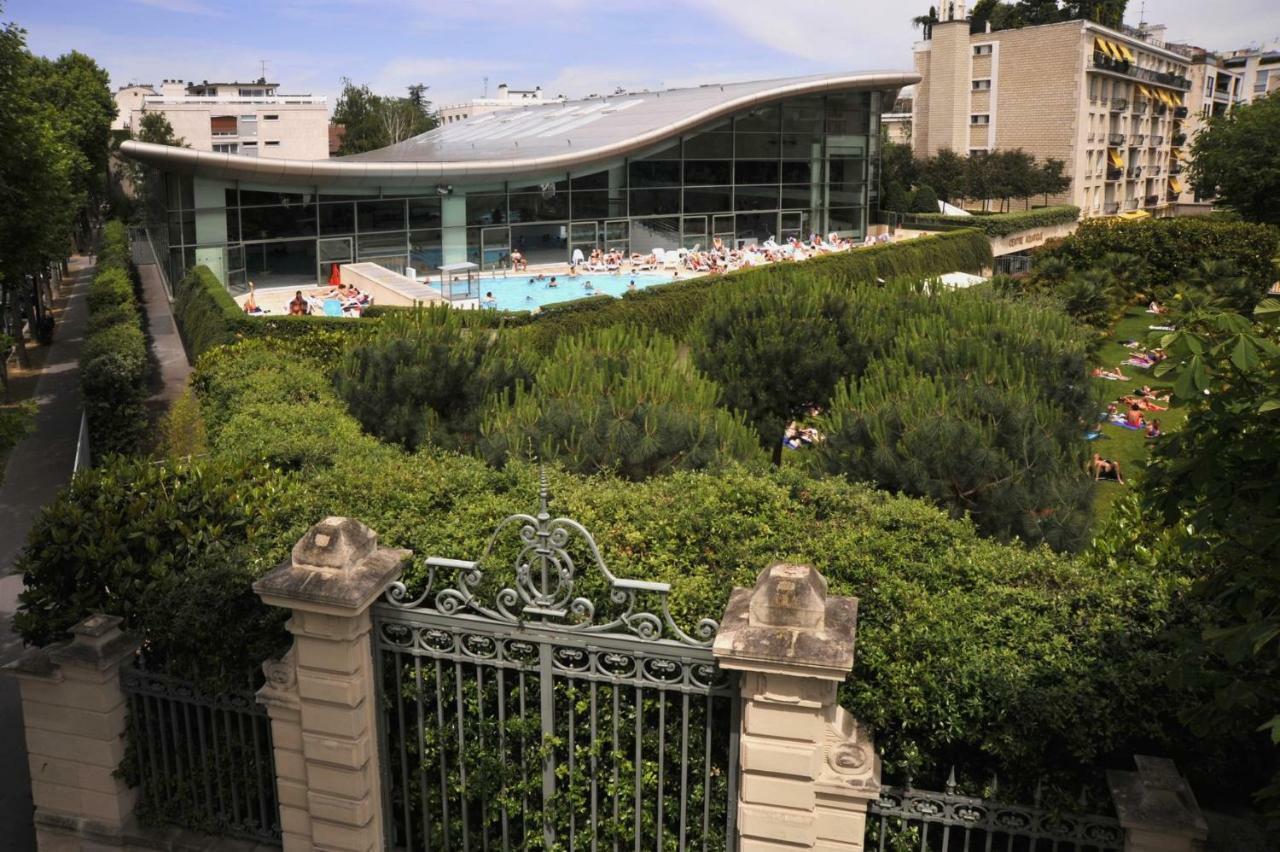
(424, 375)
(620, 400)
(154, 127)
(924, 200)
(982, 177)
(1235, 158)
(373, 121)
(945, 172)
(895, 199)
(777, 352)
(77, 92)
(1051, 179)
(897, 165)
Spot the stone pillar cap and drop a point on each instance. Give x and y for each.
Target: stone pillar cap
(97, 643)
(336, 567)
(788, 624)
(1156, 798)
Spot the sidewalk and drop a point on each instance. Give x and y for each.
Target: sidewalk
(37, 468)
(165, 342)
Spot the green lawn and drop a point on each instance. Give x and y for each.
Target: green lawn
(1129, 448)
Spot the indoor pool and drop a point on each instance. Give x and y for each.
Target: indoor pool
(524, 293)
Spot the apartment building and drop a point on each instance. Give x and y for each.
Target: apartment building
(1259, 71)
(1215, 90)
(507, 98)
(253, 119)
(1109, 103)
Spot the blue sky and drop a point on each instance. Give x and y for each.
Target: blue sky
(573, 47)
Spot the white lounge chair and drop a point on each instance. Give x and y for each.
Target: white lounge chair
(644, 265)
(578, 257)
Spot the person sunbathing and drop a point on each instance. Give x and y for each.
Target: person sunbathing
(1133, 417)
(1115, 375)
(298, 306)
(1153, 429)
(1155, 308)
(251, 304)
(1143, 403)
(1105, 469)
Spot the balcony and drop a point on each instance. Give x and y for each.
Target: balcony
(1138, 141)
(1140, 108)
(1175, 169)
(1114, 174)
(1161, 109)
(1180, 112)
(1156, 141)
(1132, 204)
(1115, 139)
(1119, 104)
(1102, 62)
(1135, 173)
(1179, 139)
(1154, 171)
(1092, 138)
(1151, 200)
(1111, 208)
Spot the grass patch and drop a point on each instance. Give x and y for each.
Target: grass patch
(1128, 447)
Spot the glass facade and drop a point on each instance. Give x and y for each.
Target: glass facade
(790, 168)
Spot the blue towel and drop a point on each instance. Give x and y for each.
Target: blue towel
(332, 308)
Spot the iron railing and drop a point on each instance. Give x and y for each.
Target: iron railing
(1156, 141)
(1119, 104)
(202, 762)
(1111, 208)
(1115, 138)
(1180, 112)
(517, 716)
(906, 818)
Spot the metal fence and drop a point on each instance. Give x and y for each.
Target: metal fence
(908, 819)
(518, 716)
(202, 762)
(1013, 264)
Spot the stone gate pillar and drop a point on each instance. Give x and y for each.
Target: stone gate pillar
(808, 769)
(323, 695)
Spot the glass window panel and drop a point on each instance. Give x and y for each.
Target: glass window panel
(530, 207)
(645, 202)
(486, 210)
(255, 197)
(756, 227)
(668, 152)
(802, 115)
(334, 250)
(846, 146)
(712, 199)
(845, 219)
(269, 223)
(801, 146)
(182, 228)
(556, 186)
(848, 113)
(755, 198)
(846, 195)
(695, 226)
(353, 196)
(592, 205)
(424, 212)
(282, 264)
(757, 146)
(425, 251)
(797, 172)
(583, 232)
(762, 119)
(232, 196)
(188, 188)
(368, 245)
(233, 225)
(173, 192)
(380, 215)
(595, 180)
(615, 231)
(646, 173)
(798, 196)
(649, 234)
(715, 145)
(337, 218)
(755, 171)
(845, 171)
(708, 172)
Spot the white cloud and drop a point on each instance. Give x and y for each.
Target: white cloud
(186, 7)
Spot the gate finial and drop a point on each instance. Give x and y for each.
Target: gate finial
(544, 491)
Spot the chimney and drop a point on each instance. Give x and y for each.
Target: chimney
(502, 91)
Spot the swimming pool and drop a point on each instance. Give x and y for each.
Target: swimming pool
(524, 293)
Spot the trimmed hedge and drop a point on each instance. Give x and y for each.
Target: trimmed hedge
(1170, 249)
(115, 362)
(1003, 224)
(672, 308)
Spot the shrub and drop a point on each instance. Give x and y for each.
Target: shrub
(1170, 249)
(924, 200)
(620, 400)
(182, 431)
(423, 376)
(115, 362)
(1003, 224)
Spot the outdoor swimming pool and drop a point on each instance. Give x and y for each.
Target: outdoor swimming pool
(524, 293)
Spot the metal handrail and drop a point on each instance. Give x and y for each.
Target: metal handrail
(83, 460)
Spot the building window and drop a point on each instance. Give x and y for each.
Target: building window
(982, 85)
(225, 148)
(1261, 80)
(980, 119)
(982, 49)
(973, 152)
(271, 117)
(223, 125)
(273, 143)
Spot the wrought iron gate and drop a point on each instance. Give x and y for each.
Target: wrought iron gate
(521, 716)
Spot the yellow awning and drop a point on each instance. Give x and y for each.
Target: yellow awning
(1114, 156)
(1144, 91)
(1167, 98)
(1124, 51)
(1175, 185)
(1135, 214)
(1100, 45)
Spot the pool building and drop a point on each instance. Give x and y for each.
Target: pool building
(741, 162)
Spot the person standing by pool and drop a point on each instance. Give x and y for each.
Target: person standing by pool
(489, 301)
(632, 285)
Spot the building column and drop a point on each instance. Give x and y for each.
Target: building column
(1156, 807)
(74, 712)
(329, 783)
(453, 228)
(808, 770)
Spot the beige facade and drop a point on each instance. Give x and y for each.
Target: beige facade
(129, 98)
(251, 119)
(1259, 71)
(1105, 102)
(1215, 90)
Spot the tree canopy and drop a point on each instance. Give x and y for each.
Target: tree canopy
(373, 121)
(1237, 157)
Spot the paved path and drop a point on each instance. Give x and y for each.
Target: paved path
(165, 342)
(37, 468)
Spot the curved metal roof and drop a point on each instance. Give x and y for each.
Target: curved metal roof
(531, 141)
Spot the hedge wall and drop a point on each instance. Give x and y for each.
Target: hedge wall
(1171, 248)
(671, 308)
(1003, 224)
(116, 368)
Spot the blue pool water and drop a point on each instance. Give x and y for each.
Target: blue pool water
(523, 293)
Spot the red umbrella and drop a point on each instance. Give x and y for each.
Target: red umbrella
(334, 277)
